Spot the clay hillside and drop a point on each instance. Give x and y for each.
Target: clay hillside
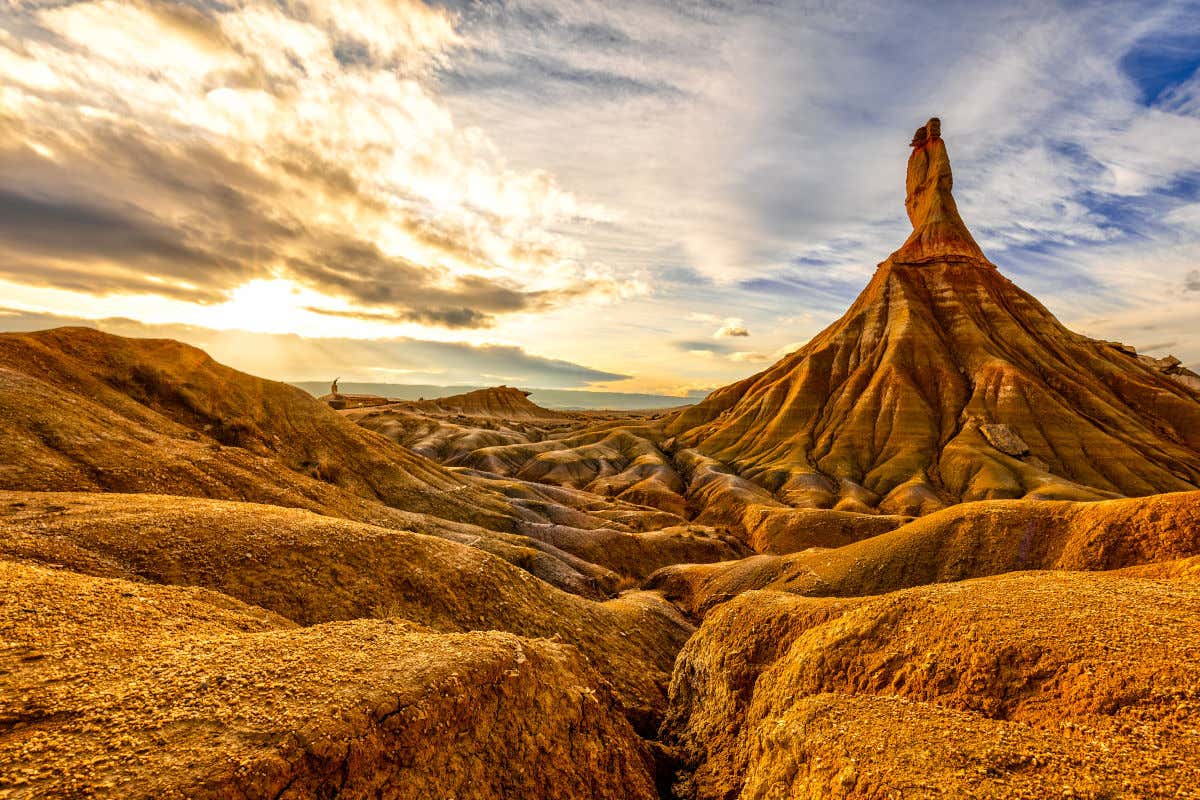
(945, 383)
(947, 549)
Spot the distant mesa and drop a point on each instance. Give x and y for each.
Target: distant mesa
(339, 401)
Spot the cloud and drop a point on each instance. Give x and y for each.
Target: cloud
(74, 245)
(706, 349)
(733, 326)
(782, 157)
(391, 30)
(292, 357)
(446, 318)
(699, 346)
(253, 141)
(490, 170)
(1191, 283)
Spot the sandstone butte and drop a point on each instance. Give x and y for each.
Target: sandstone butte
(947, 549)
(946, 383)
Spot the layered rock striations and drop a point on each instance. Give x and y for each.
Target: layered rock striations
(913, 399)
(212, 585)
(938, 231)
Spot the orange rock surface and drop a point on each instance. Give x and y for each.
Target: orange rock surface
(215, 586)
(938, 230)
(1030, 685)
(891, 407)
(125, 690)
(969, 540)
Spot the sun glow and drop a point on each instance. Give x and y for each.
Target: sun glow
(270, 306)
(267, 306)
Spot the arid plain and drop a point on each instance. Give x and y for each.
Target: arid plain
(948, 548)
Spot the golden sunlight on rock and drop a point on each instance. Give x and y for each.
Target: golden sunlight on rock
(941, 545)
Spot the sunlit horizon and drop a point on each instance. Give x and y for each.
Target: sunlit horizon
(629, 197)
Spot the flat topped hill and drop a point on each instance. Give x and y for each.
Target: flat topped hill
(945, 383)
(505, 402)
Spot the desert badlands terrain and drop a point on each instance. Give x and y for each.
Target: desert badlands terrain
(948, 548)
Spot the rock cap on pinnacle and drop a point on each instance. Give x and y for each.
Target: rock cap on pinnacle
(938, 231)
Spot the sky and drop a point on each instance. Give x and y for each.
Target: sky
(628, 196)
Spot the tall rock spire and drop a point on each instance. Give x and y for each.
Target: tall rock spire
(938, 231)
(944, 383)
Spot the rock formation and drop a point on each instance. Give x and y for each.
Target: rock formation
(1022, 686)
(891, 407)
(110, 688)
(313, 569)
(156, 416)
(1168, 365)
(216, 586)
(938, 230)
(969, 540)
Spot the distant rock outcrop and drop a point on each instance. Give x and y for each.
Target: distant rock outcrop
(339, 401)
(1168, 365)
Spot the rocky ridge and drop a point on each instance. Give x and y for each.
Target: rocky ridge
(121, 689)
